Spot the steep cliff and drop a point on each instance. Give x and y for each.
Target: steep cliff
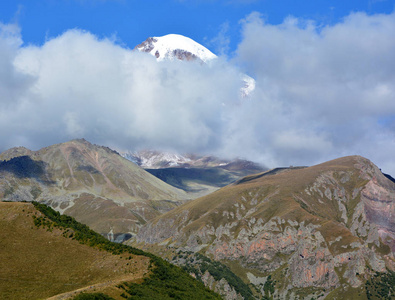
(320, 231)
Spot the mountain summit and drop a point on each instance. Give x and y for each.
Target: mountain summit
(175, 46)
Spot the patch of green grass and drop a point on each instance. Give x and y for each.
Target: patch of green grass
(168, 282)
(381, 286)
(383, 249)
(218, 271)
(347, 292)
(311, 293)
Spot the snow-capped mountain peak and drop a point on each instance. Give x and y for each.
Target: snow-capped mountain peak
(150, 159)
(175, 46)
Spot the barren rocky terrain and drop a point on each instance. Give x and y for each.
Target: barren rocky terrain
(320, 232)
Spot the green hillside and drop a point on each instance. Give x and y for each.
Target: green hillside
(45, 254)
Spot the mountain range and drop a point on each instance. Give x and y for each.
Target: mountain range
(317, 232)
(323, 231)
(320, 232)
(92, 183)
(99, 187)
(196, 174)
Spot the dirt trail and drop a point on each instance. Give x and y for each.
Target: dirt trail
(96, 287)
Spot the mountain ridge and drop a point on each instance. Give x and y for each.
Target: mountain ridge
(196, 174)
(92, 183)
(316, 231)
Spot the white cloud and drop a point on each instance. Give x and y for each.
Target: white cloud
(331, 87)
(86, 87)
(320, 93)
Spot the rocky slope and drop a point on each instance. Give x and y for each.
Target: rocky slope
(92, 183)
(320, 232)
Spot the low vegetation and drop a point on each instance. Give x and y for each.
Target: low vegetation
(165, 281)
(80, 232)
(199, 264)
(268, 288)
(381, 286)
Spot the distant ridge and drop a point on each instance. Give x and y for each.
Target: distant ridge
(196, 174)
(92, 183)
(389, 177)
(266, 173)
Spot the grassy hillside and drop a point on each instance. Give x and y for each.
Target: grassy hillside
(45, 254)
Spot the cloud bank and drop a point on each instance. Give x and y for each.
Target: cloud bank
(321, 92)
(326, 92)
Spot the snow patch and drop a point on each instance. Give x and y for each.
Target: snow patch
(164, 47)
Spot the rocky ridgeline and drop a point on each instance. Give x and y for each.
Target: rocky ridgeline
(318, 230)
(92, 183)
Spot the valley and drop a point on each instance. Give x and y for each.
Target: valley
(287, 233)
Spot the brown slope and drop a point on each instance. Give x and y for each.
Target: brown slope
(78, 176)
(37, 263)
(313, 229)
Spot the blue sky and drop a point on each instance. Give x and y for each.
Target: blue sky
(324, 73)
(202, 20)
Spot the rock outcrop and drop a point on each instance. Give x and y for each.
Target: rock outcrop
(315, 230)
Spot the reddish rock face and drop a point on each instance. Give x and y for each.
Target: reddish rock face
(379, 203)
(315, 227)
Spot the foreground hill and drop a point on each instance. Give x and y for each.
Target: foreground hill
(92, 183)
(326, 231)
(45, 254)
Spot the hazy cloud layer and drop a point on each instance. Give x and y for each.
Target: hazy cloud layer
(321, 93)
